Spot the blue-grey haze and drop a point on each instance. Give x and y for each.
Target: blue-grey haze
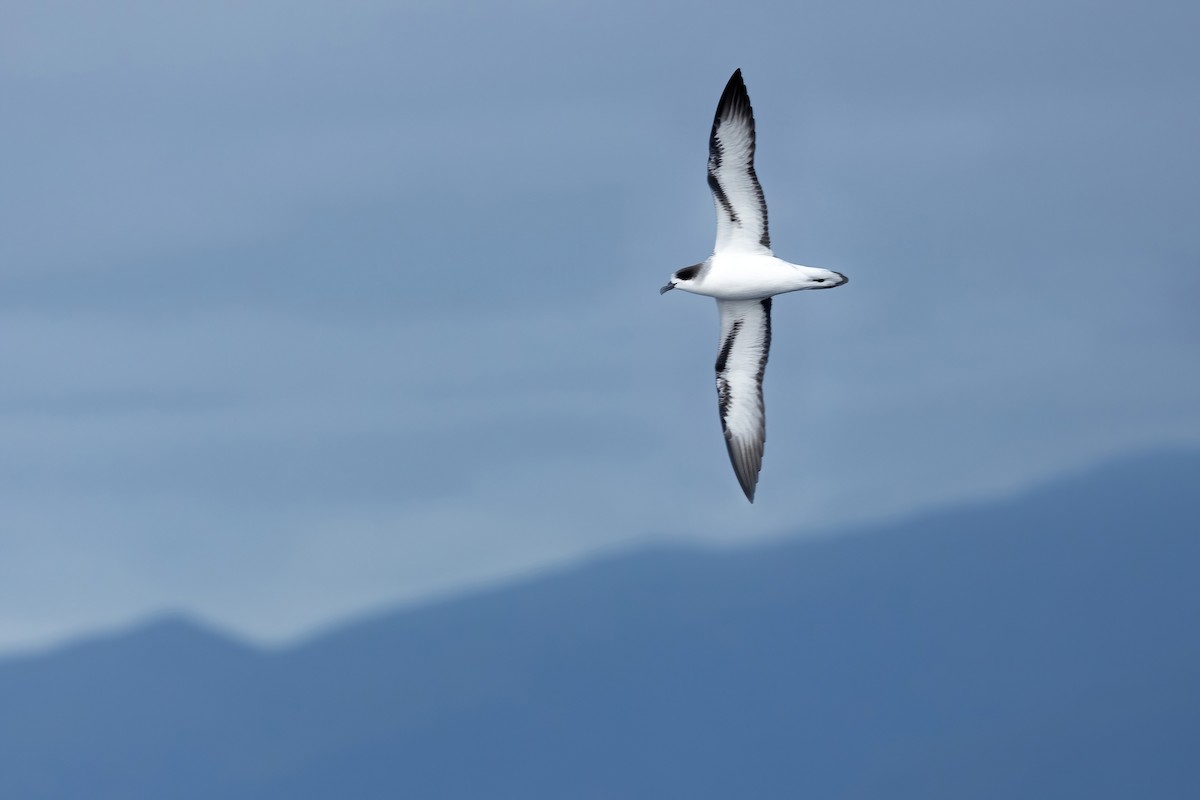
(1039, 647)
(310, 306)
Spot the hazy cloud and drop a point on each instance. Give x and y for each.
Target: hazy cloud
(308, 307)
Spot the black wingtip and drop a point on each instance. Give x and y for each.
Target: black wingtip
(734, 104)
(735, 94)
(749, 490)
(744, 467)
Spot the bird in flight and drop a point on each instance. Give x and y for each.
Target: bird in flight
(743, 275)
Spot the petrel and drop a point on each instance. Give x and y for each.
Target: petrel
(743, 275)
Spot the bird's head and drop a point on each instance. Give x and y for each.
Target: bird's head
(683, 278)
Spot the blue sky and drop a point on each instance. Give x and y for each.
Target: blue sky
(308, 307)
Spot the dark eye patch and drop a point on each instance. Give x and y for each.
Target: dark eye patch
(688, 273)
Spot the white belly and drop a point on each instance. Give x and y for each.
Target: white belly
(747, 277)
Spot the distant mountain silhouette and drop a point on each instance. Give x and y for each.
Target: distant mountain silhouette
(1045, 646)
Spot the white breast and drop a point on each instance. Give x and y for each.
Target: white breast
(741, 276)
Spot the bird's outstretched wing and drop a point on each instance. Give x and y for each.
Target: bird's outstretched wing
(741, 361)
(741, 207)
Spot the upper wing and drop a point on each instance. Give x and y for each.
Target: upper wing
(741, 208)
(741, 361)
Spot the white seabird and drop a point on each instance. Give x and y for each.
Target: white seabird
(743, 275)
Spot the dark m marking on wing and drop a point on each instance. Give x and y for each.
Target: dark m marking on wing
(766, 345)
(765, 239)
(723, 397)
(714, 164)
